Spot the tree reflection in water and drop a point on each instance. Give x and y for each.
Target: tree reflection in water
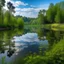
(11, 49)
(4, 47)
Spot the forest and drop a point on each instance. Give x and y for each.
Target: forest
(54, 14)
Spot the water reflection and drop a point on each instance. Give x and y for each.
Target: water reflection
(7, 48)
(29, 37)
(29, 41)
(21, 42)
(51, 35)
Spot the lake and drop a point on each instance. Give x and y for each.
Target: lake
(21, 42)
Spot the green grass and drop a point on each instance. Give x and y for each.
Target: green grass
(47, 26)
(55, 26)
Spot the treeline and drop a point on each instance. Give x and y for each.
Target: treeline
(7, 19)
(54, 14)
(26, 20)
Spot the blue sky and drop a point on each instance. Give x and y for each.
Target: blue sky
(30, 8)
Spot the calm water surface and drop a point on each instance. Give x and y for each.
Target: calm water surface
(16, 43)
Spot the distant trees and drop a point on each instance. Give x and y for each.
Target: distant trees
(20, 22)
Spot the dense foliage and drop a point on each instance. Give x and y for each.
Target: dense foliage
(7, 19)
(54, 14)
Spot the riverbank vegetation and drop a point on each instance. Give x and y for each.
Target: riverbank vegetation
(54, 15)
(53, 56)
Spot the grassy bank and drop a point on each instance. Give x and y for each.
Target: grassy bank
(55, 26)
(48, 26)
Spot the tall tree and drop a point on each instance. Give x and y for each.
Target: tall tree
(11, 9)
(20, 22)
(58, 17)
(50, 13)
(6, 18)
(2, 3)
(41, 17)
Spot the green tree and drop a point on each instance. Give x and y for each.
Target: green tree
(58, 17)
(11, 9)
(2, 3)
(50, 13)
(20, 22)
(6, 18)
(13, 21)
(41, 17)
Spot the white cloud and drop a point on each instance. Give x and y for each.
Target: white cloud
(31, 12)
(32, 6)
(29, 37)
(7, 0)
(15, 3)
(18, 3)
(28, 12)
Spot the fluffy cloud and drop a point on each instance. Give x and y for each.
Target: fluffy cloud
(18, 3)
(15, 3)
(29, 37)
(33, 6)
(28, 12)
